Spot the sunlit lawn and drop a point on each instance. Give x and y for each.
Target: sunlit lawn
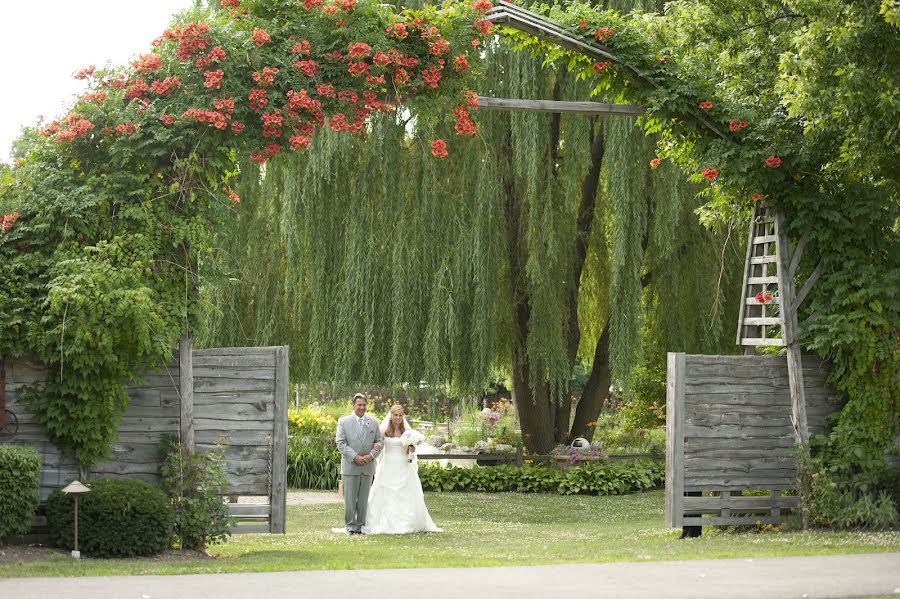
(481, 529)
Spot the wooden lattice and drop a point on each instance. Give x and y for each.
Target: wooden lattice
(760, 321)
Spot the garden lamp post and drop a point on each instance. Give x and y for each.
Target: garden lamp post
(75, 488)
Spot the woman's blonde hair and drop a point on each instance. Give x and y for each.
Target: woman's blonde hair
(391, 430)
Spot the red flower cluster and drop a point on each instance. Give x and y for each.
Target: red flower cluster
(345, 5)
(431, 76)
(260, 37)
(265, 77)
(735, 125)
(237, 127)
(772, 162)
(137, 90)
(464, 124)
(257, 99)
(165, 86)
(267, 152)
(381, 59)
(192, 38)
(763, 298)
(213, 79)
(311, 4)
(604, 33)
(471, 99)
(309, 67)
(147, 63)
(439, 149)
(9, 220)
(211, 117)
(95, 98)
(460, 63)
(326, 91)
(397, 31)
(235, 198)
(167, 119)
(359, 49)
(482, 6)
(758, 196)
(439, 47)
(126, 129)
(300, 142)
(272, 122)
(599, 67)
(654, 163)
(401, 77)
(230, 3)
(484, 28)
(358, 68)
(72, 126)
(302, 48)
(705, 105)
(226, 105)
(710, 174)
(214, 56)
(85, 73)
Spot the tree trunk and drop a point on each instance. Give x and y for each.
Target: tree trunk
(595, 390)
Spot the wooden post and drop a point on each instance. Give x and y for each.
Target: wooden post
(789, 334)
(186, 383)
(794, 359)
(675, 373)
(278, 496)
(520, 458)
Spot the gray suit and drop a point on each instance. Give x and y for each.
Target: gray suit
(353, 439)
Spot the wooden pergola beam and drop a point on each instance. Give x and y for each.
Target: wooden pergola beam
(587, 108)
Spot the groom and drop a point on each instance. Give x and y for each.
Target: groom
(359, 439)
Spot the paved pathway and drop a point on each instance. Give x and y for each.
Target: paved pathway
(814, 576)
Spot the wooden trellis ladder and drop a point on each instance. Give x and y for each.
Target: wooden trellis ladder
(769, 302)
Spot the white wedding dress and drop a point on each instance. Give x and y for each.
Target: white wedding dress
(396, 502)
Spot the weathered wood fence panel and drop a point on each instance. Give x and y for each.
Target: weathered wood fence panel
(239, 402)
(729, 431)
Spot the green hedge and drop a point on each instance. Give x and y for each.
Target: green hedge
(118, 518)
(607, 478)
(20, 493)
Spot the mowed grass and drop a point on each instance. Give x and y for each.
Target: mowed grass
(481, 529)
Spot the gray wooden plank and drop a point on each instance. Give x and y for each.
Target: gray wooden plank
(237, 351)
(279, 448)
(587, 108)
(223, 424)
(234, 361)
(249, 509)
(240, 372)
(186, 388)
(218, 385)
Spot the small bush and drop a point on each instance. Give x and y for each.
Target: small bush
(195, 484)
(607, 478)
(20, 471)
(645, 399)
(118, 518)
(313, 463)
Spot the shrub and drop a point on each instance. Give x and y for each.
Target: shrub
(195, 484)
(645, 399)
(311, 422)
(118, 518)
(20, 471)
(608, 478)
(313, 463)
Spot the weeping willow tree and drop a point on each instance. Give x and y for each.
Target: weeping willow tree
(545, 241)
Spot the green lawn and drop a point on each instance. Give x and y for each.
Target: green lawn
(480, 530)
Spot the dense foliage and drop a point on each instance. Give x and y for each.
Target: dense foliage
(118, 518)
(20, 488)
(607, 478)
(195, 484)
(313, 461)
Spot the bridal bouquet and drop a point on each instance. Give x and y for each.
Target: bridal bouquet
(411, 438)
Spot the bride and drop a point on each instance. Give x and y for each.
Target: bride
(396, 502)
